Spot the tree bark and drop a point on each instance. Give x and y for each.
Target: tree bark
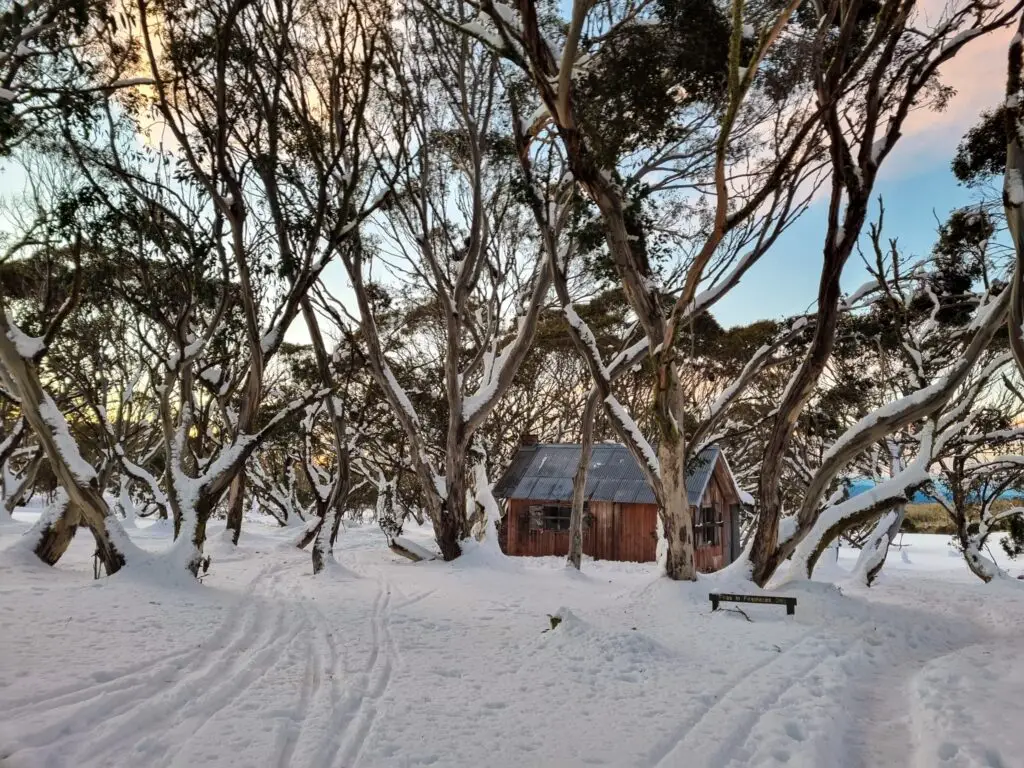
(330, 518)
(322, 541)
(18, 493)
(579, 481)
(55, 535)
(676, 517)
(451, 525)
(890, 533)
(83, 494)
(1013, 206)
(236, 500)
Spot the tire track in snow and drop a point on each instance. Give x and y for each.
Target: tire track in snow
(760, 684)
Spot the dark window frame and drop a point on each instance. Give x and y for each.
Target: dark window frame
(708, 523)
(552, 518)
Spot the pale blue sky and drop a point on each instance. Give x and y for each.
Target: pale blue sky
(786, 280)
(916, 183)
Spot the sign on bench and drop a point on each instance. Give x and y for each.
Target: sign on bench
(789, 602)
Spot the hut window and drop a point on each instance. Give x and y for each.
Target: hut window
(708, 527)
(550, 517)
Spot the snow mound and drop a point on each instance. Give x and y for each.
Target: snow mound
(481, 554)
(628, 652)
(159, 571)
(155, 527)
(221, 547)
(297, 533)
(335, 571)
(18, 557)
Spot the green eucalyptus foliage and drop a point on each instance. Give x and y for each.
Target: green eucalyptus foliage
(981, 153)
(644, 78)
(1013, 542)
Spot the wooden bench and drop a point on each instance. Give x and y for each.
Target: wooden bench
(722, 597)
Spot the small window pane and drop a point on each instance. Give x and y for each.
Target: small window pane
(557, 517)
(707, 527)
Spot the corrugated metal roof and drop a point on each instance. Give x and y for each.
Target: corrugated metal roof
(545, 472)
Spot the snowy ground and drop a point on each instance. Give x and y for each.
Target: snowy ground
(389, 663)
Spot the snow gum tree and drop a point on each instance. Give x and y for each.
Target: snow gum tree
(699, 142)
(454, 227)
(82, 502)
(926, 318)
(274, 113)
(214, 232)
(866, 74)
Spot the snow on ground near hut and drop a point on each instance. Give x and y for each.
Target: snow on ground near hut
(389, 663)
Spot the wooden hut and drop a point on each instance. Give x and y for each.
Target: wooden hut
(620, 513)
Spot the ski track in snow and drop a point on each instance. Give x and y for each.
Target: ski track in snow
(302, 671)
(375, 680)
(190, 688)
(732, 705)
(311, 719)
(327, 725)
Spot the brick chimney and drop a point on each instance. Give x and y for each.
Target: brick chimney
(527, 440)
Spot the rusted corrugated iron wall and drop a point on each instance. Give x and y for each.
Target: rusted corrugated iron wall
(721, 495)
(623, 531)
(638, 538)
(616, 532)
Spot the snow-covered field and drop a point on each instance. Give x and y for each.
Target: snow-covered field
(388, 663)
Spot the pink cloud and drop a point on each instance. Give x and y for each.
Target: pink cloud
(978, 74)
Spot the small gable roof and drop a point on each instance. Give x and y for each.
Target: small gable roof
(545, 471)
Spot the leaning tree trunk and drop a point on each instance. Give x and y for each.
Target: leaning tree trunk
(876, 548)
(19, 492)
(890, 535)
(979, 565)
(310, 534)
(325, 533)
(83, 495)
(57, 528)
(579, 482)
(323, 550)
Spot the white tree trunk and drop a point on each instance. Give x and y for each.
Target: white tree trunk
(127, 505)
(487, 526)
(876, 548)
(676, 517)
